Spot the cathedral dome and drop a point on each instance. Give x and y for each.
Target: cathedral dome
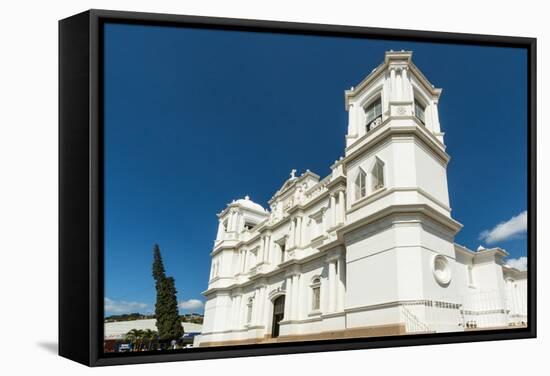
(246, 203)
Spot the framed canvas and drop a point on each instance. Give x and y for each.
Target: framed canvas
(236, 187)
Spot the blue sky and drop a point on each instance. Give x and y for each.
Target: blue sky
(195, 118)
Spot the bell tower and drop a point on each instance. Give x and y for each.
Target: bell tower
(395, 89)
(399, 232)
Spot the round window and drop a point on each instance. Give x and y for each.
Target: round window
(441, 270)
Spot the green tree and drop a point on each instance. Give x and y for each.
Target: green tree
(168, 321)
(158, 266)
(166, 307)
(149, 336)
(135, 336)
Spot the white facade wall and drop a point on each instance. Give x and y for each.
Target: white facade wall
(384, 255)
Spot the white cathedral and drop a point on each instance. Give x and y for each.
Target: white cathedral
(368, 250)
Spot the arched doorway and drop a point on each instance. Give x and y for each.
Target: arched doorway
(278, 314)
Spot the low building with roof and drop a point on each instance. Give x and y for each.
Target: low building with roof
(115, 332)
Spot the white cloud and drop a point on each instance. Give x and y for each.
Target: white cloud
(191, 304)
(122, 306)
(520, 263)
(509, 229)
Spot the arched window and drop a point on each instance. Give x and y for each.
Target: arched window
(249, 310)
(360, 184)
(373, 114)
(316, 294)
(377, 175)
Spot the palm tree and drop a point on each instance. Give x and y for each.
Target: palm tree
(150, 335)
(135, 336)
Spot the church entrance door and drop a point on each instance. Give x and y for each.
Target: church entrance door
(278, 314)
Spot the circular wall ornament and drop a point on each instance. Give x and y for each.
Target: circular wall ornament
(441, 270)
(401, 110)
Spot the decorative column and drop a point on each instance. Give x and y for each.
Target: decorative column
(399, 85)
(299, 231)
(408, 89)
(234, 218)
(342, 204)
(352, 129)
(266, 250)
(305, 230)
(230, 222)
(333, 209)
(258, 303)
(220, 230)
(254, 308)
(261, 303)
(404, 88)
(303, 225)
(261, 251)
(435, 118)
(233, 311)
(241, 261)
(267, 255)
(265, 308)
(331, 285)
(392, 84)
(240, 313)
(295, 295)
(240, 226)
(288, 298)
(341, 283)
(291, 240)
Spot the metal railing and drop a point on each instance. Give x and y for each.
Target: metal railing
(412, 323)
(484, 309)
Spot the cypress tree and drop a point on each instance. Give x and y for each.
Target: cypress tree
(168, 319)
(166, 308)
(158, 266)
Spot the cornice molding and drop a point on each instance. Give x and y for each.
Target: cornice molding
(387, 131)
(279, 269)
(383, 192)
(422, 209)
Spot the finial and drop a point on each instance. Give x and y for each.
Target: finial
(247, 197)
(293, 173)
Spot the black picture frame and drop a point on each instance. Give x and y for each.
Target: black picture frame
(81, 201)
